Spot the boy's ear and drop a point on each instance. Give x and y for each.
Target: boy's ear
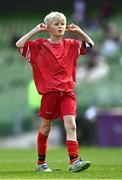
(47, 26)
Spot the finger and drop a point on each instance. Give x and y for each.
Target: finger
(42, 25)
(68, 25)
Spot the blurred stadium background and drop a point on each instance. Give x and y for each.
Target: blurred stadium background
(99, 77)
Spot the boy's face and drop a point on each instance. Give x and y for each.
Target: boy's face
(57, 27)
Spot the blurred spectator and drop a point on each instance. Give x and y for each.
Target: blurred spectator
(121, 49)
(109, 48)
(87, 127)
(111, 42)
(91, 23)
(91, 113)
(105, 12)
(79, 11)
(94, 67)
(106, 9)
(90, 118)
(113, 32)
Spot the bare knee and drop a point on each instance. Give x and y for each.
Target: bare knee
(46, 127)
(70, 128)
(70, 124)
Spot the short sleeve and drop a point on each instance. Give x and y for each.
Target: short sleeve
(82, 48)
(29, 50)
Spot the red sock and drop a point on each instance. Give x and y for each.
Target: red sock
(42, 147)
(72, 147)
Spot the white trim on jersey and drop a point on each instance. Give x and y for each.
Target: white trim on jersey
(28, 54)
(79, 47)
(21, 50)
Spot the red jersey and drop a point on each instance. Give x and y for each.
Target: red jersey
(53, 65)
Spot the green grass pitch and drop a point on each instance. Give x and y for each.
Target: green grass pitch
(20, 164)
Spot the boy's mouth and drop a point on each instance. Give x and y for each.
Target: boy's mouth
(60, 30)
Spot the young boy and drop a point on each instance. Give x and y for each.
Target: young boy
(53, 64)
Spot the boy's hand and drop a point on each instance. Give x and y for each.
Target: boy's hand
(40, 28)
(83, 36)
(73, 28)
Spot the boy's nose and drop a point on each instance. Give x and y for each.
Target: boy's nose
(60, 26)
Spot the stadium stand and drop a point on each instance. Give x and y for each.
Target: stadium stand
(15, 75)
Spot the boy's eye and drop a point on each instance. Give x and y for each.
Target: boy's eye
(56, 24)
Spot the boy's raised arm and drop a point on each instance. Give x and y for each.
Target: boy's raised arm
(83, 35)
(39, 28)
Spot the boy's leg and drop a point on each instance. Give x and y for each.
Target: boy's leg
(72, 145)
(71, 137)
(42, 140)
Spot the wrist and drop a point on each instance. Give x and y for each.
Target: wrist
(80, 32)
(34, 31)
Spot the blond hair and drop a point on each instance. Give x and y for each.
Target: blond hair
(54, 16)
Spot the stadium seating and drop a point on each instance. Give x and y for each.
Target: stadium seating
(15, 75)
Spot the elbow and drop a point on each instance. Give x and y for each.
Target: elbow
(16, 44)
(92, 43)
(19, 45)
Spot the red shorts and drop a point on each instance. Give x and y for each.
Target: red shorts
(57, 104)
